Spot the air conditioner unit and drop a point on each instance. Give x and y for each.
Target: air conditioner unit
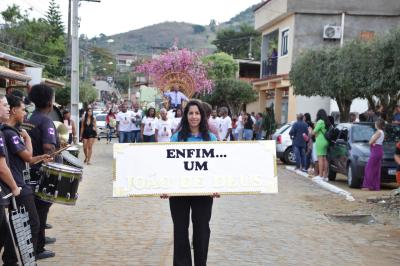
(332, 32)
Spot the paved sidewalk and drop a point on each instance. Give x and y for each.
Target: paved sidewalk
(283, 229)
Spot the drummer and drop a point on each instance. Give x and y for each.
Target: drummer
(19, 147)
(44, 141)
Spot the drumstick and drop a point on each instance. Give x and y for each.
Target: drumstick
(54, 153)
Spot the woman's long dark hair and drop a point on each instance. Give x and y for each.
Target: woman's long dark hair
(86, 117)
(148, 112)
(321, 115)
(184, 128)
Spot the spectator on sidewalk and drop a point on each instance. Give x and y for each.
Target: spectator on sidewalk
(310, 159)
(396, 116)
(258, 127)
(397, 159)
(372, 173)
(225, 125)
(322, 143)
(248, 127)
(298, 133)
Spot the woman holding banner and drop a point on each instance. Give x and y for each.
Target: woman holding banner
(193, 128)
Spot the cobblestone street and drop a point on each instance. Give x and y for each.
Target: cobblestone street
(289, 228)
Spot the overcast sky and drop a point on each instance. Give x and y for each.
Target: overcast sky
(116, 16)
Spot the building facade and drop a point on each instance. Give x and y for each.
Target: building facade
(290, 27)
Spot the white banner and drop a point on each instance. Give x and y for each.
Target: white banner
(201, 168)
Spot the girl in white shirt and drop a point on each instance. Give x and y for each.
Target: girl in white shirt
(148, 127)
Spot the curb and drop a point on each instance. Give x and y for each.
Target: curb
(323, 184)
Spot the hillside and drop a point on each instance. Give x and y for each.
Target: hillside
(152, 39)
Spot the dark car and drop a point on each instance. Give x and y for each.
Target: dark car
(350, 152)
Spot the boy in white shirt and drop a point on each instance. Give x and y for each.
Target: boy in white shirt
(124, 125)
(225, 125)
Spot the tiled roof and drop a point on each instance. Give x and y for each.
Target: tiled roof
(11, 74)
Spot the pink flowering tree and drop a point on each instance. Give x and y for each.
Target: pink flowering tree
(182, 62)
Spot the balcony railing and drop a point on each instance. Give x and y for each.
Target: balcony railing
(269, 67)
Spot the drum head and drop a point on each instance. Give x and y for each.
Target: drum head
(72, 160)
(62, 168)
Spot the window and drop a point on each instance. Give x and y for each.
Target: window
(284, 42)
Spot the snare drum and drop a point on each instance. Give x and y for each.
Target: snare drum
(71, 160)
(74, 151)
(58, 183)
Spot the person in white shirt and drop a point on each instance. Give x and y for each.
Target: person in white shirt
(239, 127)
(124, 125)
(225, 125)
(176, 121)
(163, 131)
(148, 128)
(137, 115)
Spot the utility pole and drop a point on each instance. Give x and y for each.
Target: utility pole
(75, 63)
(75, 67)
(342, 31)
(68, 59)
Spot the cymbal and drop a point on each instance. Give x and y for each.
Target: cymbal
(62, 131)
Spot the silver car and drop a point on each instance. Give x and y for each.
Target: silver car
(284, 150)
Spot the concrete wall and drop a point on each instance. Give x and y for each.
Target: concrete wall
(366, 7)
(312, 105)
(273, 10)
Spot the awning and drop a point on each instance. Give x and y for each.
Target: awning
(11, 74)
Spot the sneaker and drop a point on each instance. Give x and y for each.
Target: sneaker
(317, 178)
(45, 254)
(48, 226)
(304, 170)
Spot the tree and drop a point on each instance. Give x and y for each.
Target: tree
(63, 95)
(53, 17)
(269, 123)
(12, 14)
(221, 66)
(338, 73)
(87, 93)
(232, 93)
(237, 43)
(198, 29)
(31, 39)
(213, 25)
(102, 62)
(384, 73)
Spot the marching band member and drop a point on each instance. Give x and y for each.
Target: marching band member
(44, 141)
(19, 148)
(7, 182)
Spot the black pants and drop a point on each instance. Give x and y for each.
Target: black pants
(42, 208)
(201, 214)
(9, 256)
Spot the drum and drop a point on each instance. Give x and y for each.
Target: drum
(71, 160)
(74, 151)
(58, 183)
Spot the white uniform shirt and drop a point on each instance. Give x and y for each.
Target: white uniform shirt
(149, 125)
(164, 130)
(224, 125)
(136, 121)
(125, 123)
(175, 123)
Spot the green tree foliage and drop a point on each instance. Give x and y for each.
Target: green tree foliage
(53, 17)
(221, 66)
(232, 93)
(12, 14)
(31, 39)
(213, 25)
(63, 95)
(237, 43)
(103, 63)
(87, 93)
(198, 29)
(384, 72)
(338, 73)
(269, 123)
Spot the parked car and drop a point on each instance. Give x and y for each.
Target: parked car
(284, 150)
(101, 125)
(350, 152)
